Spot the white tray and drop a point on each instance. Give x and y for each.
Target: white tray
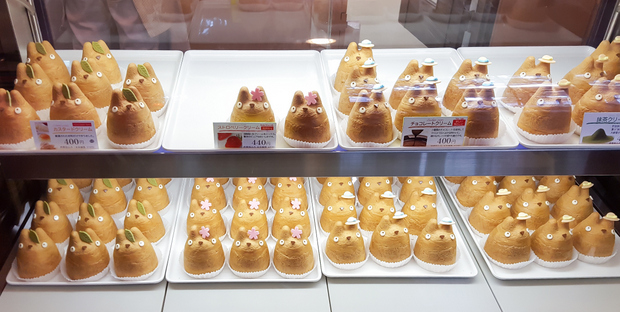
(164, 245)
(175, 271)
(533, 271)
(166, 64)
(505, 62)
(210, 81)
(390, 64)
(464, 268)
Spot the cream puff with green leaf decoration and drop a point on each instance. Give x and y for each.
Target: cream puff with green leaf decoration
(15, 117)
(155, 193)
(109, 194)
(43, 53)
(134, 255)
(143, 216)
(98, 219)
(87, 255)
(64, 193)
(129, 119)
(98, 52)
(37, 254)
(48, 216)
(93, 83)
(71, 104)
(144, 79)
(34, 85)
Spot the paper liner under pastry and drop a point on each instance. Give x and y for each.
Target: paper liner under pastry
(162, 110)
(24, 145)
(73, 218)
(96, 277)
(208, 274)
(556, 264)
(295, 276)
(512, 108)
(513, 266)
(250, 274)
(544, 139)
(128, 187)
(44, 114)
(343, 127)
(347, 266)
(44, 278)
(436, 268)
(596, 260)
(577, 127)
(390, 264)
(480, 142)
(137, 278)
(445, 111)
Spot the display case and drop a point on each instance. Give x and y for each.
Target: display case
(203, 52)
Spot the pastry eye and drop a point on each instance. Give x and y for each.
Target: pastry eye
(128, 81)
(351, 208)
(78, 101)
(279, 184)
(118, 246)
(486, 207)
(303, 213)
(464, 104)
(350, 183)
(38, 81)
(260, 187)
(406, 230)
(72, 249)
(141, 104)
(262, 212)
(598, 97)
(430, 182)
(240, 187)
(261, 243)
(266, 105)
(319, 110)
(154, 80)
(305, 242)
(407, 77)
(474, 182)
(488, 76)
(369, 207)
(513, 181)
(150, 216)
(189, 242)
(382, 233)
(587, 75)
(238, 243)
(507, 234)
(52, 56)
(574, 202)
(56, 218)
(392, 209)
(44, 244)
(214, 210)
(118, 189)
(299, 186)
(358, 234)
(239, 104)
(570, 231)
(281, 242)
(522, 74)
(549, 236)
(547, 203)
(15, 81)
(161, 186)
(336, 239)
(377, 80)
(293, 109)
(28, 60)
(525, 204)
(99, 74)
(141, 243)
(367, 184)
(412, 207)
(613, 231)
(191, 214)
(433, 205)
(540, 101)
(79, 218)
(49, 190)
(240, 214)
(353, 84)
(213, 241)
(100, 219)
(114, 109)
(329, 208)
(427, 236)
(462, 78)
(217, 184)
(557, 180)
(346, 58)
(588, 228)
(328, 184)
(18, 110)
(548, 76)
(387, 181)
(108, 55)
(139, 188)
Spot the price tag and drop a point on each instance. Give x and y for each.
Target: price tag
(64, 134)
(433, 131)
(600, 128)
(244, 134)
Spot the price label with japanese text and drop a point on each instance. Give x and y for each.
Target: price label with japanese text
(64, 134)
(600, 128)
(433, 131)
(244, 134)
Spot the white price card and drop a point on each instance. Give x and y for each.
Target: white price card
(600, 128)
(64, 134)
(433, 131)
(244, 134)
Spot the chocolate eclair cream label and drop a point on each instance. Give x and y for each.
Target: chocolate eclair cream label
(244, 134)
(600, 128)
(64, 134)
(433, 131)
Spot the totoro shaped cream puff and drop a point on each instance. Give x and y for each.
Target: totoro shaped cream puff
(134, 255)
(15, 117)
(596, 236)
(355, 56)
(480, 107)
(109, 194)
(98, 52)
(370, 119)
(584, 75)
(345, 244)
(490, 211)
(143, 216)
(526, 80)
(129, 119)
(93, 83)
(249, 253)
(86, 256)
(96, 218)
(603, 96)
(290, 215)
(155, 193)
(65, 194)
(436, 244)
(361, 78)
(43, 53)
(252, 106)
(420, 208)
(334, 187)
(576, 202)
(553, 241)
(250, 190)
(34, 85)
(250, 215)
(409, 79)
(510, 242)
(558, 185)
(419, 101)
(307, 120)
(210, 191)
(71, 104)
(203, 252)
(293, 253)
(37, 254)
(144, 79)
(290, 192)
(51, 218)
(473, 188)
(390, 241)
(468, 74)
(336, 209)
(535, 204)
(201, 213)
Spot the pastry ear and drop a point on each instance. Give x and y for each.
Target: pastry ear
(553, 224)
(138, 234)
(149, 68)
(120, 236)
(318, 98)
(298, 98)
(193, 231)
(57, 91)
(241, 233)
(244, 95)
(370, 71)
(363, 96)
(431, 226)
(412, 68)
(117, 98)
(285, 232)
(264, 94)
(193, 206)
(487, 94)
(530, 62)
(378, 96)
(465, 67)
(48, 46)
(488, 196)
(17, 98)
(337, 228)
(384, 223)
(76, 92)
(132, 70)
(601, 49)
(352, 48)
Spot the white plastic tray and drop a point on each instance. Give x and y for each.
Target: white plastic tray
(533, 271)
(505, 62)
(166, 64)
(390, 64)
(163, 246)
(176, 273)
(210, 81)
(464, 268)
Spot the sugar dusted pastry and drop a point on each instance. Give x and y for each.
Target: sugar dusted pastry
(34, 85)
(420, 208)
(525, 81)
(93, 83)
(249, 215)
(250, 190)
(576, 202)
(345, 245)
(293, 254)
(553, 241)
(596, 236)
(390, 241)
(109, 194)
(370, 119)
(51, 218)
(249, 253)
(602, 97)
(490, 211)
(134, 255)
(516, 185)
(333, 187)
(355, 56)
(98, 52)
(43, 53)
(143, 216)
(419, 101)
(416, 184)
(290, 213)
(252, 106)
(558, 185)
(97, 218)
(509, 242)
(37, 254)
(338, 209)
(211, 191)
(291, 190)
(144, 79)
(86, 255)
(203, 252)
(466, 75)
(473, 188)
(149, 189)
(480, 107)
(371, 185)
(129, 119)
(583, 76)
(65, 194)
(15, 117)
(307, 120)
(376, 207)
(410, 80)
(361, 79)
(71, 104)
(535, 204)
(546, 113)
(202, 213)
(436, 244)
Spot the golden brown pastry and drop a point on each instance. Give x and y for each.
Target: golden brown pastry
(97, 219)
(144, 79)
(479, 105)
(371, 185)
(93, 83)
(516, 185)
(134, 255)
(86, 256)
(595, 236)
(37, 254)
(143, 216)
(370, 119)
(249, 253)
(154, 193)
(250, 190)
(509, 242)
(583, 76)
(287, 192)
(202, 214)
(338, 209)
(490, 211)
(526, 80)
(345, 244)
(129, 119)
(210, 191)
(71, 104)
(65, 194)
(334, 187)
(261, 181)
(473, 188)
(98, 52)
(553, 240)
(436, 243)
(15, 117)
(419, 101)
(293, 253)
(548, 111)
(576, 202)
(466, 75)
(420, 208)
(275, 181)
(290, 215)
(34, 85)
(390, 241)
(250, 215)
(109, 194)
(558, 185)
(416, 184)
(51, 218)
(376, 207)
(535, 204)
(252, 106)
(307, 120)
(410, 80)
(83, 184)
(355, 56)
(361, 79)
(203, 252)
(602, 97)
(44, 54)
